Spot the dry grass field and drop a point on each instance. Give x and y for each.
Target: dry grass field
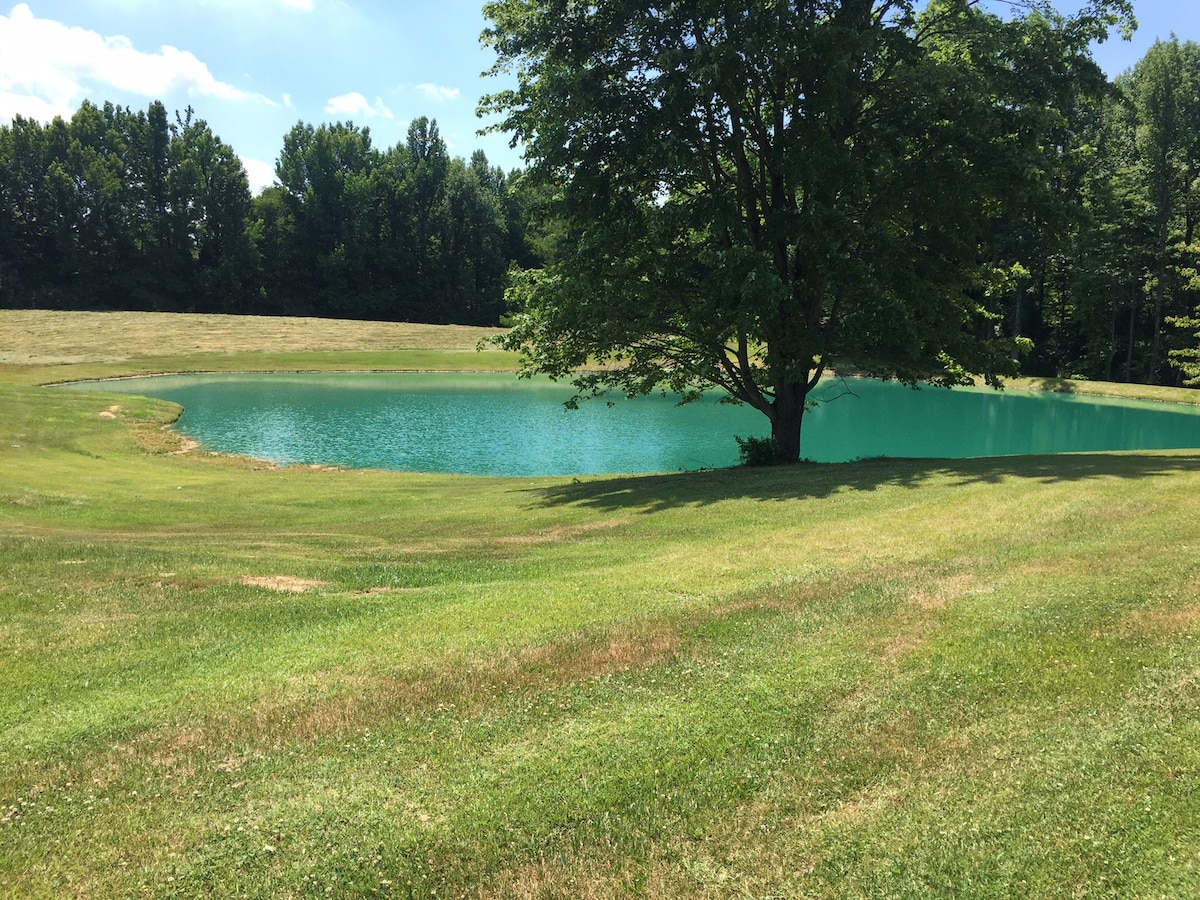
(39, 337)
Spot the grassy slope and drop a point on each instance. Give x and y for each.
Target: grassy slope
(974, 678)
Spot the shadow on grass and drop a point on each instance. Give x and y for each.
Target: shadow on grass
(1052, 385)
(650, 493)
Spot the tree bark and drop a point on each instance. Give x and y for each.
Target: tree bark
(1156, 345)
(787, 420)
(1129, 346)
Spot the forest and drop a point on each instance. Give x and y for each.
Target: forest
(124, 210)
(142, 210)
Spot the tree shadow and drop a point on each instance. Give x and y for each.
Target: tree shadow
(1051, 385)
(806, 481)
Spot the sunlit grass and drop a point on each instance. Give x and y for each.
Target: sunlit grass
(42, 346)
(1109, 389)
(906, 679)
(45, 337)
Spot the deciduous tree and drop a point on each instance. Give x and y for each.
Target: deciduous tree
(755, 192)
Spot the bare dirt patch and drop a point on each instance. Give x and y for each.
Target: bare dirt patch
(286, 584)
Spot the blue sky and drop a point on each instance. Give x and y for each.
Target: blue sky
(253, 68)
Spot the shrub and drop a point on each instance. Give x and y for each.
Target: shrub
(758, 451)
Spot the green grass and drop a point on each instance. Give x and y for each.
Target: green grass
(889, 678)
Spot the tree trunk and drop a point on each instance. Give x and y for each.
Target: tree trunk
(1129, 347)
(1112, 338)
(1156, 345)
(787, 420)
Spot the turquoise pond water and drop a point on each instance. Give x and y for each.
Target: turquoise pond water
(496, 425)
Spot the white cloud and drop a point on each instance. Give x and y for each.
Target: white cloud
(437, 92)
(260, 174)
(14, 104)
(48, 67)
(258, 7)
(355, 104)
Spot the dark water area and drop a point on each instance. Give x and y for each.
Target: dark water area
(484, 424)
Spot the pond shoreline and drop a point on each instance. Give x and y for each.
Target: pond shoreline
(466, 422)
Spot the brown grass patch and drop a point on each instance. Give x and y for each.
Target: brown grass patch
(1159, 622)
(162, 439)
(944, 591)
(179, 743)
(283, 583)
(622, 652)
(327, 705)
(348, 701)
(594, 876)
(111, 412)
(92, 626)
(857, 810)
(563, 533)
(794, 595)
(897, 647)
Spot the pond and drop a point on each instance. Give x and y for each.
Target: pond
(486, 424)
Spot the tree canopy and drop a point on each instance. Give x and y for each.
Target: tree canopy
(753, 193)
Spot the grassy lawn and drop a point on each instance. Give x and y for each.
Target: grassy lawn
(974, 678)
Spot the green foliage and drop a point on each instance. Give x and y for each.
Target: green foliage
(1134, 253)
(753, 194)
(121, 210)
(406, 233)
(757, 452)
(117, 210)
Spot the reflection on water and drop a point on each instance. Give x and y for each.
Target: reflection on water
(496, 425)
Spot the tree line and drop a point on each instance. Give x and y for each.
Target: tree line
(1109, 286)
(1134, 263)
(117, 209)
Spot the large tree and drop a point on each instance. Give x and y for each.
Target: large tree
(754, 192)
